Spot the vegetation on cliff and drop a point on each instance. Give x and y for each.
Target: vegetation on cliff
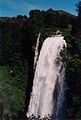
(17, 44)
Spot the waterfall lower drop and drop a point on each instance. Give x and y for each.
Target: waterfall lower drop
(48, 86)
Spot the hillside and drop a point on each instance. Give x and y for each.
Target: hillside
(18, 37)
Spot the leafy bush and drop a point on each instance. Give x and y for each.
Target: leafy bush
(13, 87)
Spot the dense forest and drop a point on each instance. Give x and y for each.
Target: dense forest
(17, 45)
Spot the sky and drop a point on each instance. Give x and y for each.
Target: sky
(22, 7)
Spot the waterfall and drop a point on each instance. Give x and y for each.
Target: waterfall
(36, 51)
(48, 86)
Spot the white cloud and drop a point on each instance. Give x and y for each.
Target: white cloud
(20, 6)
(30, 6)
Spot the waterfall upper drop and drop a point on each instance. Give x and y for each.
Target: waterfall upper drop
(36, 51)
(48, 86)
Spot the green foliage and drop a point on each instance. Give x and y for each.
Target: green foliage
(72, 57)
(13, 86)
(46, 32)
(78, 5)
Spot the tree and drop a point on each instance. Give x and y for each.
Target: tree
(78, 5)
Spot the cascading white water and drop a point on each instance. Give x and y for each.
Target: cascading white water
(36, 51)
(48, 85)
